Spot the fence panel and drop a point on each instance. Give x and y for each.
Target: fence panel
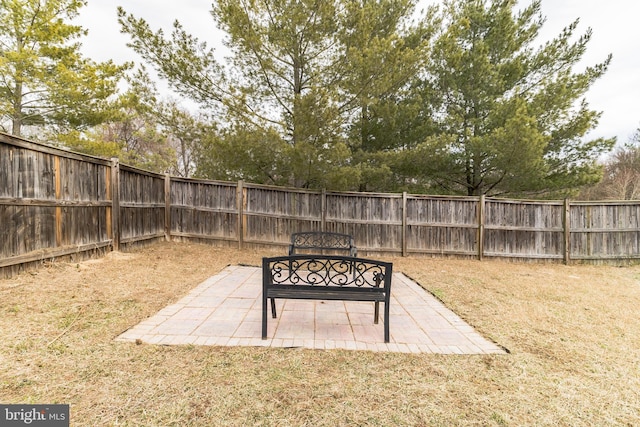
(53, 203)
(83, 193)
(520, 229)
(374, 220)
(142, 205)
(27, 188)
(206, 210)
(271, 214)
(438, 225)
(605, 230)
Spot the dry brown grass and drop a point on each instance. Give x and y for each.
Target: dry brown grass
(573, 333)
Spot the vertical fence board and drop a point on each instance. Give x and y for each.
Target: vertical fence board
(481, 225)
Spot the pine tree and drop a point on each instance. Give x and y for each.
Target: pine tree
(510, 118)
(45, 79)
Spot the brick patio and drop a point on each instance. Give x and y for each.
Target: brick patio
(225, 310)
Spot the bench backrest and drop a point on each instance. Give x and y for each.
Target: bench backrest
(322, 240)
(326, 271)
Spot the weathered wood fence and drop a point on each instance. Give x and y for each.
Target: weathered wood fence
(54, 203)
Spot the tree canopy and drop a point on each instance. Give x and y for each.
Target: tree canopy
(368, 95)
(299, 73)
(44, 80)
(509, 117)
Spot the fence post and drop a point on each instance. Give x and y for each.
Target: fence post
(240, 206)
(323, 210)
(167, 207)
(115, 202)
(481, 227)
(58, 189)
(404, 223)
(566, 225)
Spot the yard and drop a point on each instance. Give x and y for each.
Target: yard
(572, 331)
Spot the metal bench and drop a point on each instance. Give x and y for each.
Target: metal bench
(326, 277)
(322, 241)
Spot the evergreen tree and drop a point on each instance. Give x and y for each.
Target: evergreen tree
(44, 78)
(350, 94)
(299, 70)
(383, 49)
(510, 118)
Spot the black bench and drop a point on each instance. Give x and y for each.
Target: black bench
(326, 277)
(322, 240)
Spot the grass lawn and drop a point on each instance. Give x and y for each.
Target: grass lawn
(573, 333)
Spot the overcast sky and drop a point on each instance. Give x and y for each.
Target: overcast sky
(614, 24)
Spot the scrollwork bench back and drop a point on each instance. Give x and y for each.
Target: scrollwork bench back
(323, 240)
(326, 277)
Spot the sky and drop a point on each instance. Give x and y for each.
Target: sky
(613, 23)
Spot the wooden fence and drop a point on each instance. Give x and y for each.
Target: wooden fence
(54, 203)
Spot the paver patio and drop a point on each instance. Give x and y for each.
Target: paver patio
(225, 310)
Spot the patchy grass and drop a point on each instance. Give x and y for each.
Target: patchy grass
(572, 332)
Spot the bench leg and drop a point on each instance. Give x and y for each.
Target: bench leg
(386, 321)
(376, 312)
(273, 308)
(264, 318)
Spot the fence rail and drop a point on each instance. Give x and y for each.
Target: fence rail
(55, 203)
